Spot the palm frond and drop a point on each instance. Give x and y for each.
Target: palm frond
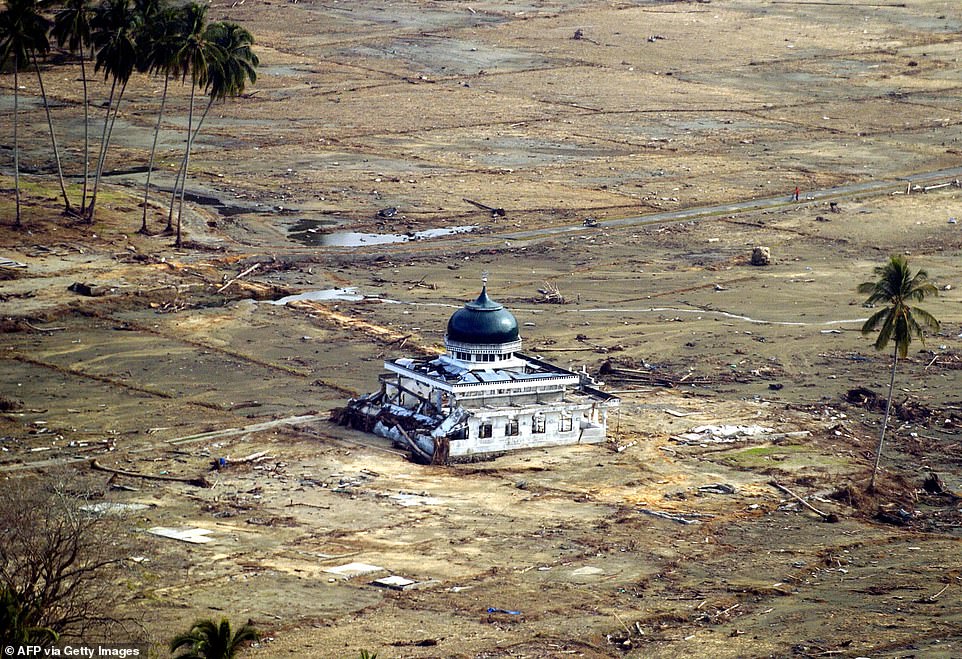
(879, 316)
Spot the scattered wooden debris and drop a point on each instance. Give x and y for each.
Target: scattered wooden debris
(827, 517)
(905, 410)
(420, 284)
(10, 263)
(550, 294)
(239, 277)
(198, 481)
(653, 377)
(686, 518)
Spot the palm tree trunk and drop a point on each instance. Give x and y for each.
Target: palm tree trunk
(53, 136)
(183, 188)
(885, 421)
(100, 157)
(180, 179)
(83, 77)
(153, 150)
(104, 149)
(16, 144)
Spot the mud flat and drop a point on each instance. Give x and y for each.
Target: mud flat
(658, 544)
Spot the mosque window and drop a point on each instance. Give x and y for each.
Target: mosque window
(511, 428)
(565, 424)
(537, 423)
(485, 430)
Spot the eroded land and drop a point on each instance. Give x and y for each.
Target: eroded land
(657, 107)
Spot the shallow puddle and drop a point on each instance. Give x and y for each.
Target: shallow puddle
(309, 232)
(346, 294)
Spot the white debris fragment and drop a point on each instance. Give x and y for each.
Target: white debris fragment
(720, 434)
(351, 570)
(194, 535)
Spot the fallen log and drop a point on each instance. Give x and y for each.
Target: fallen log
(198, 481)
(669, 516)
(828, 517)
(495, 212)
(413, 445)
(238, 277)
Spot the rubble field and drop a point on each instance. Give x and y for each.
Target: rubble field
(726, 516)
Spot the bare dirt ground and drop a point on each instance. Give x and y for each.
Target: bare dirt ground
(656, 107)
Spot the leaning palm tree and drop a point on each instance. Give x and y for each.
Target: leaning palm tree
(71, 27)
(22, 32)
(898, 322)
(115, 26)
(193, 58)
(208, 640)
(159, 45)
(228, 72)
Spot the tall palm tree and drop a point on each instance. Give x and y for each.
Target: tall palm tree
(233, 65)
(22, 31)
(898, 322)
(207, 640)
(115, 26)
(193, 58)
(71, 27)
(160, 42)
(41, 47)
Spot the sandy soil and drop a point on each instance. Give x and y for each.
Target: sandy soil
(658, 107)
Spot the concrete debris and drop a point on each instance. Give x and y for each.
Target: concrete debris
(407, 499)
(720, 434)
(587, 571)
(718, 488)
(395, 582)
(90, 290)
(761, 256)
(112, 508)
(192, 535)
(351, 570)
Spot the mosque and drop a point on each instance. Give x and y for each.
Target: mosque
(483, 396)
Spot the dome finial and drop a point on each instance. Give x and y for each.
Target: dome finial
(484, 278)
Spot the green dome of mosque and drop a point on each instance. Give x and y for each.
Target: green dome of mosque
(482, 322)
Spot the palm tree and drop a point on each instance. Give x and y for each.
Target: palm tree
(41, 46)
(71, 27)
(17, 622)
(160, 42)
(900, 322)
(115, 27)
(227, 74)
(207, 640)
(22, 31)
(193, 58)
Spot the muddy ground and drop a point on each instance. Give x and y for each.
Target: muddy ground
(657, 107)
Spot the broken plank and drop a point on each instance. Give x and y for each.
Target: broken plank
(198, 481)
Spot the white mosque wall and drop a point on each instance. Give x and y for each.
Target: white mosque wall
(497, 430)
